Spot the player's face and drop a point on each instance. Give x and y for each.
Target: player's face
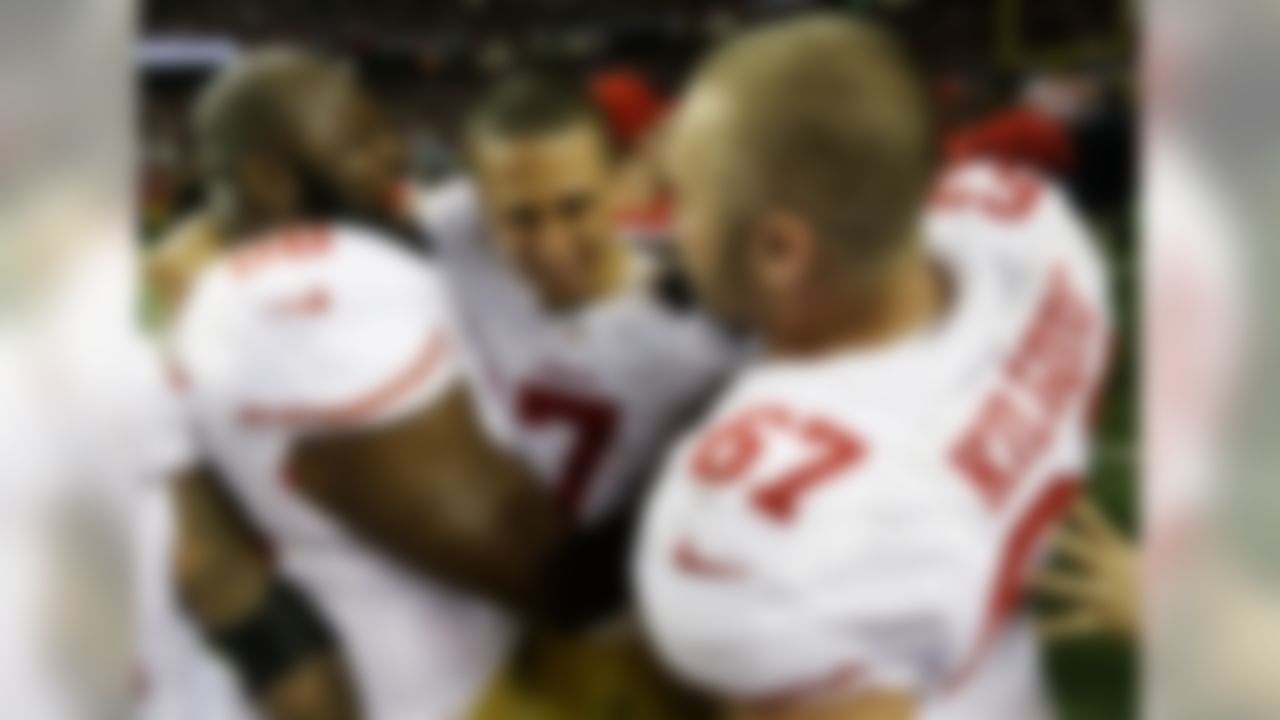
(353, 147)
(702, 225)
(551, 209)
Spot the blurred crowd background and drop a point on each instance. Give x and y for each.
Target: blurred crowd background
(1070, 57)
(1053, 82)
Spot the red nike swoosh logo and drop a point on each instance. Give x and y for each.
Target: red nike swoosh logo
(692, 561)
(313, 302)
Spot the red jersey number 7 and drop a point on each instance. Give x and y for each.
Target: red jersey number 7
(731, 450)
(594, 423)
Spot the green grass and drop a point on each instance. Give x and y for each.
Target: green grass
(1098, 679)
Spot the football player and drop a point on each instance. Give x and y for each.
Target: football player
(587, 348)
(847, 534)
(291, 145)
(588, 353)
(247, 122)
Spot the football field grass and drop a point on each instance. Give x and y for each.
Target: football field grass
(1098, 679)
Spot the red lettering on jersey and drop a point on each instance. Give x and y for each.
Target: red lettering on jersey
(1003, 442)
(296, 243)
(693, 562)
(595, 425)
(1012, 199)
(729, 451)
(1050, 362)
(835, 450)
(732, 448)
(1046, 373)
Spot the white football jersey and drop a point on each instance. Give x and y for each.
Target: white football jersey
(866, 519)
(589, 400)
(178, 675)
(330, 328)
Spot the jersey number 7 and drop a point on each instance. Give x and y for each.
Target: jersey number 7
(594, 422)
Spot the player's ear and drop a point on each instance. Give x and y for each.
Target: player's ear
(782, 252)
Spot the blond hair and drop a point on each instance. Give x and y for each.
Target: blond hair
(827, 122)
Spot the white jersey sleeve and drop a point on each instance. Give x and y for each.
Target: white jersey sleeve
(320, 328)
(1013, 212)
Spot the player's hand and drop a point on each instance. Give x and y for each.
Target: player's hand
(1099, 591)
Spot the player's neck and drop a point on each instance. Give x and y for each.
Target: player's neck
(844, 317)
(237, 220)
(615, 270)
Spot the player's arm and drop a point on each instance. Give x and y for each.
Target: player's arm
(432, 491)
(278, 643)
(172, 266)
(163, 287)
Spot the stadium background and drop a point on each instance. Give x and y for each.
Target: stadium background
(428, 58)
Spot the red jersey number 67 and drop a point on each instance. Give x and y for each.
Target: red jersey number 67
(729, 452)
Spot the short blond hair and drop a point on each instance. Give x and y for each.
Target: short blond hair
(827, 121)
